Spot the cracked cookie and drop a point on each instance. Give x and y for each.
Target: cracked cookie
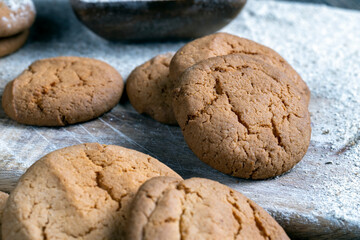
(78, 192)
(61, 91)
(15, 16)
(11, 44)
(197, 208)
(149, 89)
(3, 199)
(220, 44)
(242, 116)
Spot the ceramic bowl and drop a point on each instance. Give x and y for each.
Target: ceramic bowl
(141, 20)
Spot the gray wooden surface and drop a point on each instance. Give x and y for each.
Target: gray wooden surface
(318, 199)
(349, 4)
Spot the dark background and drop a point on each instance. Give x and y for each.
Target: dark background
(350, 4)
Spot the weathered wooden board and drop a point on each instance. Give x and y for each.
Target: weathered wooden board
(318, 199)
(350, 4)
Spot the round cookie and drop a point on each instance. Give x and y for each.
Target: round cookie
(197, 208)
(220, 44)
(3, 199)
(61, 91)
(149, 89)
(11, 44)
(15, 16)
(242, 116)
(79, 192)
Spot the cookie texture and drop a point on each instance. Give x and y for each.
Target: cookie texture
(16, 16)
(3, 199)
(149, 89)
(220, 44)
(61, 91)
(9, 45)
(242, 116)
(197, 208)
(79, 192)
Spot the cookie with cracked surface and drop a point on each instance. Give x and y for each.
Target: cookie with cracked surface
(16, 16)
(79, 192)
(3, 199)
(61, 91)
(149, 89)
(11, 44)
(197, 208)
(220, 44)
(242, 116)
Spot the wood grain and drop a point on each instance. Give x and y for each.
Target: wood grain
(349, 4)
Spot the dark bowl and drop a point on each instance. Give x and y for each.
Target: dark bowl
(142, 20)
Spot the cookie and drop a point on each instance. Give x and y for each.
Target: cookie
(78, 192)
(61, 91)
(197, 208)
(149, 89)
(11, 44)
(219, 44)
(3, 199)
(242, 116)
(15, 16)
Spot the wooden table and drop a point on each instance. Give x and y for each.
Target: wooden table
(349, 4)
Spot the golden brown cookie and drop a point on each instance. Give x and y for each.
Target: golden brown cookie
(61, 91)
(11, 44)
(149, 89)
(197, 208)
(242, 116)
(15, 16)
(78, 192)
(3, 199)
(220, 44)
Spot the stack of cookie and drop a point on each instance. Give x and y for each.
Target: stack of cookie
(241, 107)
(244, 113)
(94, 191)
(16, 17)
